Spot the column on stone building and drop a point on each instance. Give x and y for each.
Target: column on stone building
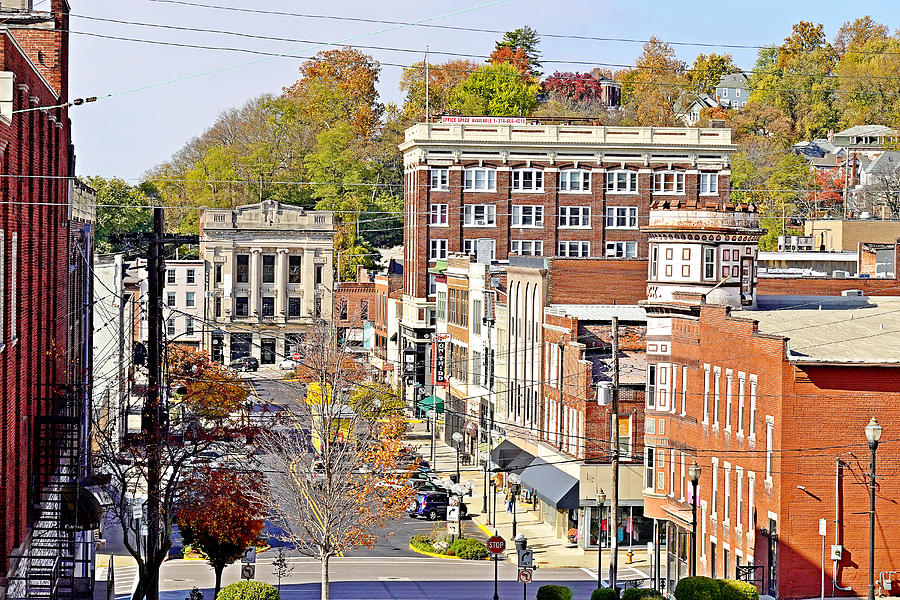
(309, 280)
(255, 281)
(281, 277)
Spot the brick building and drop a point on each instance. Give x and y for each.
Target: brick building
(385, 351)
(45, 325)
(354, 306)
(513, 187)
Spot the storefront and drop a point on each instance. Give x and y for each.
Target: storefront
(632, 528)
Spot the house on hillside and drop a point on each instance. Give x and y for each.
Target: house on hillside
(688, 107)
(731, 92)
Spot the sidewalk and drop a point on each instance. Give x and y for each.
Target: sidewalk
(549, 550)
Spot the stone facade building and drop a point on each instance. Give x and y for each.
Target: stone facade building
(270, 277)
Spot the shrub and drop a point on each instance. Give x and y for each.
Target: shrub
(554, 592)
(698, 588)
(249, 590)
(421, 542)
(605, 594)
(469, 549)
(738, 590)
(641, 594)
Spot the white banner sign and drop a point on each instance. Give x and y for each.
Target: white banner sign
(486, 120)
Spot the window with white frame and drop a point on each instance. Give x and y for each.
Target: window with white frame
(480, 179)
(741, 383)
(470, 247)
(189, 325)
(714, 504)
(439, 178)
(574, 216)
(729, 384)
(574, 180)
(706, 393)
(651, 386)
(726, 510)
(717, 379)
(437, 250)
(170, 326)
(770, 445)
(654, 262)
(574, 249)
(660, 469)
(709, 184)
(170, 299)
(621, 182)
(621, 217)
(190, 299)
(527, 247)
(190, 277)
(671, 472)
(668, 182)
(709, 263)
(684, 391)
(751, 484)
(739, 499)
(650, 464)
(682, 479)
(479, 215)
(476, 367)
(476, 316)
(527, 216)
(528, 180)
(442, 306)
(621, 249)
(752, 422)
(170, 276)
(437, 215)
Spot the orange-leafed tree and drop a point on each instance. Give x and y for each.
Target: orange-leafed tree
(208, 388)
(221, 513)
(512, 56)
(348, 492)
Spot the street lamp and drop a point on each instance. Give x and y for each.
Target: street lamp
(601, 500)
(514, 480)
(458, 438)
(873, 434)
(694, 474)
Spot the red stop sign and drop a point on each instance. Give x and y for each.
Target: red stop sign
(295, 356)
(496, 544)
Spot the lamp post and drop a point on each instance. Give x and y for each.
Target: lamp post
(458, 438)
(873, 435)
(514, 480)
(601, 500)
(694, 474)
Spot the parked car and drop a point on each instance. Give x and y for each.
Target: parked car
(245, 363)
(288, 364)
(423, 485)
(433, 506)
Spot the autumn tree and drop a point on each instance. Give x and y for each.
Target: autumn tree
(854, 34)
(707, 70)
(511, 56)
(495, 90)
(206, 388)
(348, 492)
(527, 41)
(220, 511)
(574, 87)
(443, 79)
(650, 89)
(868, 78)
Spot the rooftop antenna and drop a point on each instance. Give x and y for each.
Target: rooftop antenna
(427, 103)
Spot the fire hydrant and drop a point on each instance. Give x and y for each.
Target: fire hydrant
(630, 556)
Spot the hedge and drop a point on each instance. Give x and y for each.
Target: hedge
(554, 592)
(248, 590)
(705, 588)
(605, 594)
(469, 549)
(641, 594)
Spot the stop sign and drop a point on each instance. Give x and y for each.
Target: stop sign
(295, 356)
(496, 544)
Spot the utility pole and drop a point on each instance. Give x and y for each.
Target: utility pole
(614, 503)
(427, 99)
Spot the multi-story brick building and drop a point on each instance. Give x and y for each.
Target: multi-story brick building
(270, 274)
(354, 310)
(385, 354)
(510, 186)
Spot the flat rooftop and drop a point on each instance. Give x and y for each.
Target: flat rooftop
(833, 329)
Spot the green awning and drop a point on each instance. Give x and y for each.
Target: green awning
(432, 402)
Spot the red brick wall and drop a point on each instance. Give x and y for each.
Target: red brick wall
(819, 286)
(355, 296)
(597, 281)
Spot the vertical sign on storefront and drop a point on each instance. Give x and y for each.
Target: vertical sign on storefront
(439, 373)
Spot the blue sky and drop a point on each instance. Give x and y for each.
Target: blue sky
(130, 133)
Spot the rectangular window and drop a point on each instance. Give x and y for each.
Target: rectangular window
(170, 326)
(752, 423)
(319, 274)
(190, 276)
(668, 182)
(528, 180)
(671, 471)
(170, 276)
(268, 268)
(218, 306)
(527, 216)
(242, 274)
(476, 367)
(437, 250)
(621, 217)
(751, 483)
(479, 215)
(241, 306)
(343, 310)
(651, 386)
(770, 444)
(480, 179)
(654, 262)
(709, 184)
(470, 247)
(574, 216)
(13, 287)
(527, 247)
(294, 268)
(649, 464)
(706, 393)
(709, 263)
(684, 385)
(621, 249)
(268, 306)
(364, 310)
(575, 180)
(682, 484)
(442, 306)
(624, 444)
(716, 381)
(476, 317)
(714, 505)
(726, 511)
(728, 389)
(575, 249)
(170, 299)
(190, 299)
(660, 469)
(439, 179)
(189, 325)
(621, 182)
(739, 499)
(217, 274)
(438, 214)
(740, 426)
(295, 307)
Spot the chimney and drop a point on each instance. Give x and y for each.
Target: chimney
(831, 136)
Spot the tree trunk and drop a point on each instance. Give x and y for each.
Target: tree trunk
(325, 577)
(218, 568)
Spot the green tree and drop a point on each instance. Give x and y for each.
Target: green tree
(854, 34)
(650, 89)
(526, 39)
(496, 90)
(868, 76)
(443, 79)
(708, 70)
(121, 208)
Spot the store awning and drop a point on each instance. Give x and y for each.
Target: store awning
(432, 402)
(509, 457)
(80, 508)
(551, 484)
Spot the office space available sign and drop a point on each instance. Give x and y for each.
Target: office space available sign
(439, 373)
(485, 120)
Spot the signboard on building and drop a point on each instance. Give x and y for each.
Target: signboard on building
(439, 372)
(409, 363)
(485, 120)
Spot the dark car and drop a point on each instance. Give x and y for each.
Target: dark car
(245, 363)
(433, 506)
(423, 485)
